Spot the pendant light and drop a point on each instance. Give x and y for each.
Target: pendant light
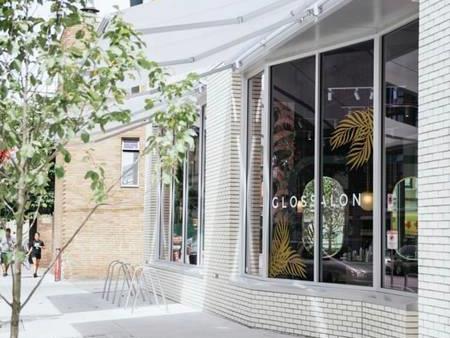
(367, 196)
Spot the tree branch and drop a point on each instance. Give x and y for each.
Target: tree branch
(36, 213)
(8, 206)
(5, 300)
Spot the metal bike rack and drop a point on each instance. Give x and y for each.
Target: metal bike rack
(136, 285)
(146, 281)
(109, 278)
(123, 275)
(125, 281)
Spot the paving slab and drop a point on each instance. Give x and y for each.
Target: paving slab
(77, 310)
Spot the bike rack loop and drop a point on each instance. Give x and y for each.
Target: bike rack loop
(110, 278)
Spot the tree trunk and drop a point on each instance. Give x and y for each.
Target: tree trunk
(15, 313)
(17, 266)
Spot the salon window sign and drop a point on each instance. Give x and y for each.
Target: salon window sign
(392, 239)
(333, 201)
(390, 202)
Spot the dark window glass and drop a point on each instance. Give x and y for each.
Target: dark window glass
(346, 164)
(193, 203)
(187, 209)
(202, 183)
(400, 54)
(177, 224)
(292, 157)
(164, 222)
(254, 176)
(135, 2)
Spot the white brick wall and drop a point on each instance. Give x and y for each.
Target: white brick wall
(222, 189)
(214, 289)
(434, 169)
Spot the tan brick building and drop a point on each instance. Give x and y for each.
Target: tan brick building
(115, 231)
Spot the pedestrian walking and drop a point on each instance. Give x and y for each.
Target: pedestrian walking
(7, 245)
(35, 250)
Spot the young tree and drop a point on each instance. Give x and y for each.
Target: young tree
(53, 90)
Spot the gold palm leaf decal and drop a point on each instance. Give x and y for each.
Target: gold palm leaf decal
(355, 129)
(283, 259)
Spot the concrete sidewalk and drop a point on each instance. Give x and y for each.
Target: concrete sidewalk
(76, 309)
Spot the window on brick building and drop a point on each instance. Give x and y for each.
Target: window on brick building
(130, 162)
(347, 148)
(292, 169)
(328, 198)
(400, 61)
(186, 206)
(136, 2)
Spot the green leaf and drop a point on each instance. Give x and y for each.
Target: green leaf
(80, 34)
(59, 171)
(27, 151)
(85, 137)
(149, 104)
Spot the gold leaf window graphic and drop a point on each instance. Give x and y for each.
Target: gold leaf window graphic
(284, 260)
(356, 130)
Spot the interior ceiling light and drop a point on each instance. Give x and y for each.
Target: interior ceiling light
(356, 94)
(371, 95)
(367, 201)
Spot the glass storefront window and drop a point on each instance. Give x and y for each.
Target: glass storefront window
(346, 165)
(177, 222)
(192, 226)
(254, 233)
(292, 169)
(164, 222)
(181, 219)
(400, 61)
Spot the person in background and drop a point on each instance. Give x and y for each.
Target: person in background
(36, 246)
(7, 245)
(2, 231)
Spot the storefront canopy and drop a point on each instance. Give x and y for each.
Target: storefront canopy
(205, 36)
(187, 36)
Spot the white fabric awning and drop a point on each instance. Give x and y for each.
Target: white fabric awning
(195, 36)
(205, 36)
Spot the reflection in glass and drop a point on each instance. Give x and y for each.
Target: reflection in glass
(292, 167)
(333, 217)
(400, 54)
(130, 165)
(347, 131)
(177, 225)
(253, 261)
(193, 203)
(164, 222)
(130, 168)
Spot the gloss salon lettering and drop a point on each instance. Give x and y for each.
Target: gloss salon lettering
(332, 201)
